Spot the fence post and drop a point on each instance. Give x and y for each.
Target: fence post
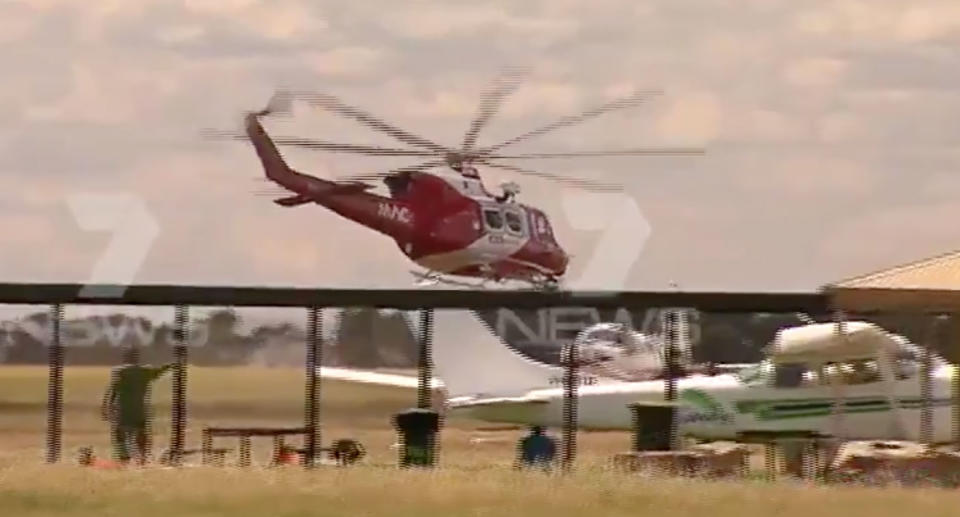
(178, 417)
(312, 402)
(425, 360)
(571, 361)
(425, 377)
(55, 388)
(669, 317)
(926, 383)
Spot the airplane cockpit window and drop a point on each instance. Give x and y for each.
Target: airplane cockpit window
(779, 375)
(514, 223)
(861, 372)
(789, 375)
(851, 373)
(906, 365)
(493, 219)
(906, 369)
(907, 362)
(757, 375)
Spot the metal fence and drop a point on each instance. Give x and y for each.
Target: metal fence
(313, 301)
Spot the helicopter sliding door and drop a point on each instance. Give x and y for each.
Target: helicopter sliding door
(504, 224)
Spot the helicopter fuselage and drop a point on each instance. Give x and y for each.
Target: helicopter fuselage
(457, 227)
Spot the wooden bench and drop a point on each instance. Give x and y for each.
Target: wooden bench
(218, 453)
(804, 465)
(245, 434)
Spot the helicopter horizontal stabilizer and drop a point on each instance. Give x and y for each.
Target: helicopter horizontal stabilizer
(293, 200)
(336, 188)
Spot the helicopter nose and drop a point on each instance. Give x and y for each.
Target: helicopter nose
(563, 260)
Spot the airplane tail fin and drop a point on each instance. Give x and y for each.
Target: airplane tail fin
(471, 359)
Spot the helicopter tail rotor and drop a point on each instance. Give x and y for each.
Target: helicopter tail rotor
(280, 103)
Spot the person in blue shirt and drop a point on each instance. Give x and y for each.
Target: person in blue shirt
(537, 449)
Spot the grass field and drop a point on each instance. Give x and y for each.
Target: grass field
(474, 477)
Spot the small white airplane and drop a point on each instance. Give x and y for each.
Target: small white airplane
(861, 385)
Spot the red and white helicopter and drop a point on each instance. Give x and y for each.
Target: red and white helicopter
(449, 224)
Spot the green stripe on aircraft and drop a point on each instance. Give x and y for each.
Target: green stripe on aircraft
(806, 408)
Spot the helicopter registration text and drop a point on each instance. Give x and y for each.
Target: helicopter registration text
(582, 380)
(394, 212)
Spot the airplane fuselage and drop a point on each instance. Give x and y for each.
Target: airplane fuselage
(721, 406)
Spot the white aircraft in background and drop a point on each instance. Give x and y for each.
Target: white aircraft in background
(863, 385)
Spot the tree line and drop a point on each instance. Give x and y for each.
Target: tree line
(370, 338)
(362, 337)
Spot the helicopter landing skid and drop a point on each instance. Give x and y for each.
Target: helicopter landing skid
(433, 278)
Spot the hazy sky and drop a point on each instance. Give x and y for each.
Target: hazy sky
(831, 130)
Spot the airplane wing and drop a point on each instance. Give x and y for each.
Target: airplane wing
(368, 377)
(733, 367)
(499, 401)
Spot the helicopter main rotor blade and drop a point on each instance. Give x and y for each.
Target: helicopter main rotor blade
(573, 182)
(633, 100)
(335, 105)
(374, 176)
(490, 102)
(349, 148)
(336, 147)
(665, 151)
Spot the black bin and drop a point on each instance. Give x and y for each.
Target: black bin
(417, 429)
(652, 424)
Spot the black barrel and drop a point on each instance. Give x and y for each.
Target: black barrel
(417, 429)
(652, 426)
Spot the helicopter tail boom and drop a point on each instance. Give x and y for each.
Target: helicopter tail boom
(274, 166)
(349, 199)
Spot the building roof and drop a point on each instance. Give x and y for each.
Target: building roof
(929, 285)
(939, 272)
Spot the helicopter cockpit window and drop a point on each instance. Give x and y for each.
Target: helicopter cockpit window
(541, 226)
(493, 219)
(514, 223)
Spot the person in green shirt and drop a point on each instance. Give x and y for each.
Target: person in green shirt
(125, 404)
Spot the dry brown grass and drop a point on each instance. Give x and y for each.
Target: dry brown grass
(475, 478)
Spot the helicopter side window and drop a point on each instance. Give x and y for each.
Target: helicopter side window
(493, 219)
(543, 227)
(514, 223)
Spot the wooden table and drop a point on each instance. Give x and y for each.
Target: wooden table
(771, 439)
(245, 434)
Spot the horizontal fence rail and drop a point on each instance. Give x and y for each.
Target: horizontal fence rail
(404, 299)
